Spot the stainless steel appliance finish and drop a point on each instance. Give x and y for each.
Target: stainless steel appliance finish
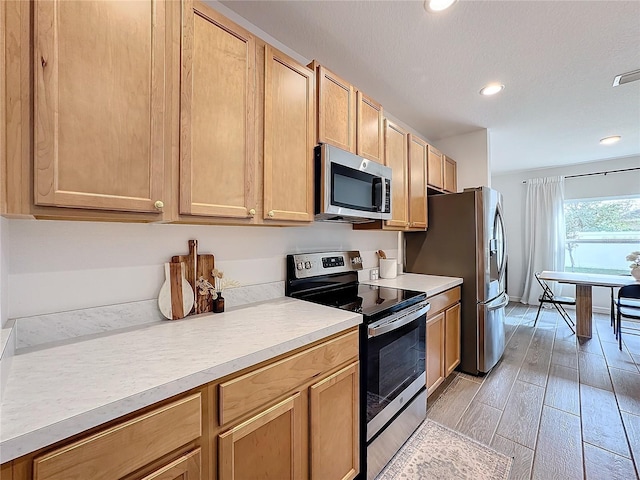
(385, 446)
(466, 239)
(392, 346)
(400, 319)
(349, 188)
(381, 419)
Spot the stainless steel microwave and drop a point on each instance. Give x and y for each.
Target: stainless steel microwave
(350, 188)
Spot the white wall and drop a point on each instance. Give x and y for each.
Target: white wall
(54, 266)
(514, 193)
(57, 266)
(471, 153)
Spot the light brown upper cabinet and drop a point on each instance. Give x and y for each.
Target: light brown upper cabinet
(450, 175)
(406, 154)
(417, 183)
(3, 109)
(396, 147)
(217, 124)
(369, 138)
(435, 168)
(409, 202)
(99, 104)
(441, 172)
(246, 126)
(288, 138)
(336, 109)
(347, 118)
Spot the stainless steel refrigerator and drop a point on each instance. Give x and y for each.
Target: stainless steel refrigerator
(465, 238)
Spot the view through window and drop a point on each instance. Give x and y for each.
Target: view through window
(601, 233)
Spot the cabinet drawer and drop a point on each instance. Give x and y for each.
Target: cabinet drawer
(121, 449)
(443, 300)
(257, 388)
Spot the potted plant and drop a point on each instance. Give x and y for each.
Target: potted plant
(634, 258)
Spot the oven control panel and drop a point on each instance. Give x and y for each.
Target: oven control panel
(306, 265)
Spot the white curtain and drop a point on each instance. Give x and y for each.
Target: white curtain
(544, 233)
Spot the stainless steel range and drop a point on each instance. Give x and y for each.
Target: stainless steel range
(392, 347)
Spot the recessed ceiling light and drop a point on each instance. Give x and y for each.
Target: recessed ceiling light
(491, 89)
(610, 140)
(434, 6)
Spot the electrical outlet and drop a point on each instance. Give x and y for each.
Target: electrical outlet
(373, 274)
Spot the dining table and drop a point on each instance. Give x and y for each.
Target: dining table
(584, 283)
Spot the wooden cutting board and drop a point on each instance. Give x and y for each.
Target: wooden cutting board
(175, 299)
(205, 265)
(197, 266)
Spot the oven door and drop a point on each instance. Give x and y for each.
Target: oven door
(395, 364)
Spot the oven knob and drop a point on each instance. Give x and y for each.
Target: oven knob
(299, 266)
(307, 265)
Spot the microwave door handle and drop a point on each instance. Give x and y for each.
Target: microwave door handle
(378, 189)
(383, 196)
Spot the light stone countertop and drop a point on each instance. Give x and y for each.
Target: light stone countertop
(431, 284)
(56, 392)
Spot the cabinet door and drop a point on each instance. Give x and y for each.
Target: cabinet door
(435, 175)
(186, 467)
(335, 426)
(417, 183)
(267, 445)
(396, 158)
(450, 175)
(369, 129)
(452, 339)
(435, 352)
(99, 100)
(336, 110)
(217, 146)
(288, 138)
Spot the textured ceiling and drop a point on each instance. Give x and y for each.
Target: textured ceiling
(556, 58)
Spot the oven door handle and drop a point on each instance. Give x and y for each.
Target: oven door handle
(399, 322)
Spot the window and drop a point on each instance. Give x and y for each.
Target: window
(601, 233)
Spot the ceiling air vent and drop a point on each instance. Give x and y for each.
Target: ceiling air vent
(626, 78)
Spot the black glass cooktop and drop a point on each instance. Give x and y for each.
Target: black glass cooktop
(372, 301)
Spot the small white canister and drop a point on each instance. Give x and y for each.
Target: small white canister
(388, 268)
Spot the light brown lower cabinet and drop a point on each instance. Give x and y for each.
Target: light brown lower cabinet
(452, 338)
(293, 417)
(435, 352)
(443, 337)
(334, 423)
(186, 467)
(268, 445)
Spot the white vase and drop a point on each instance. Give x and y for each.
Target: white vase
(635, 271)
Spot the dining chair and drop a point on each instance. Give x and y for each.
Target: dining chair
(628, 307)
(557, 301)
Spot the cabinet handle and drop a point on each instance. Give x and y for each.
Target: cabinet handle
(43, 62)
(159, 204)
(271, 214)
(252, 212)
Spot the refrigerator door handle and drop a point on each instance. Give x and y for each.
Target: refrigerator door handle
(504, 300)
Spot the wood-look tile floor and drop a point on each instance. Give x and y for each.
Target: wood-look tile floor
(564, 409)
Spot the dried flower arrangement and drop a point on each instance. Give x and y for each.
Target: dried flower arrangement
(220, 282)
